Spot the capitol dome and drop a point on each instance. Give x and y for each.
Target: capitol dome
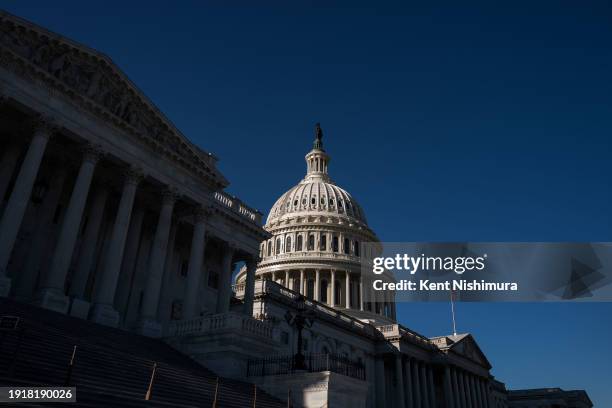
(317, 230)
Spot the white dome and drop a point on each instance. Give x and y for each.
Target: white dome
(316, 197)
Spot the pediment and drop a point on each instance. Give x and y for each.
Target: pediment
(95, 83)
(469, 349)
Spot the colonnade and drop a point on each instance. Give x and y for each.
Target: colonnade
(464, 389)
(60, 286)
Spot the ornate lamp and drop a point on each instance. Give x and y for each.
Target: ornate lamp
(300, 320)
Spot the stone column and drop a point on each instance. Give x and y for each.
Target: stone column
(196, 260)
(483, 393)
(148, 325)
(399, 374)
(302, 287)
(164, 306)
(432, 386)
(287, 279)
(380, 381)
(52, 295)
(249, 286)
(317, 285)
(129, 261)
(225, 287)
(104, 296)
(416, 386)
(456, 391)
(408, 384)
(7, 168)
(470, 393)
(348, 290)
(424, 386)
(40, 241)
(478, 393)
(463, 389)
(448, 389)
(360, 292)
(18, 201)
(333, 287)
(79, 307)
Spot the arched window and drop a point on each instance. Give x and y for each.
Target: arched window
(338, 293)
(335, 244)
(311, 242)
(356, 248)
(269, 248)
(298, 243)
(288, 244)
(323, 242)
(278, 246)
(310, 288)
(347, 246)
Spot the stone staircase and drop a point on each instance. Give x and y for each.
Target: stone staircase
(112, 367)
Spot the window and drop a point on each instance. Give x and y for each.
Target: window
(213, 279)
(278, 246)
(347, 246)
(311, 242)
(288, 244)
(311, 288)
(298, 244)
(176, 312)
(335, 244)
(356, 248)
(269, 248)
(323, 294)
(184, 268)
(323, 243)
(313, 200)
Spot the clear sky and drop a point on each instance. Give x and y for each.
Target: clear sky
(486, 122)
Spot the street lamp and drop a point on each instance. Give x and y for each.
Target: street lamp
(300, 320)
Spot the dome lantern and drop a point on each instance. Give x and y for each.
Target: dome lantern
(317, 160)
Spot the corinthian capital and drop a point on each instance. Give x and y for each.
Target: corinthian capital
(133, 175)
(45, 125)
(92, 153)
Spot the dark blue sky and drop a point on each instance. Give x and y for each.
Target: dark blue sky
(484, 122)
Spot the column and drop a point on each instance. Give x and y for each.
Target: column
(40, 241)
(7, 168)
(52, 296)
(470, 394)
(317, 284)
(408, 385)
(456, 392)
(416, 386)
(129, 261)
(148, 324)
(432, 386)
(225, 286)
(462, 389)
(164, 306)
(302, 287)
(448, 392)
(399, 374)
(196, 260)
(104, 295)
(79, 306)
(360, 292)
(17, 203)
(287, 279)
(348, 290)
(249, 287)
(483, 393)
(333, 287)
(424, 387)
(479, 402)
(380, 381)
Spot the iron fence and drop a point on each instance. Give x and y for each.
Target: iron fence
(278, 365)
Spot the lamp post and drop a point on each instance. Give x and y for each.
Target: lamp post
(300, 320)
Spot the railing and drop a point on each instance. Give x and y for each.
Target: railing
(310, 255)
(220, 322)
(315, 363)
(397, 330)
(234, 204)
(272, 288)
